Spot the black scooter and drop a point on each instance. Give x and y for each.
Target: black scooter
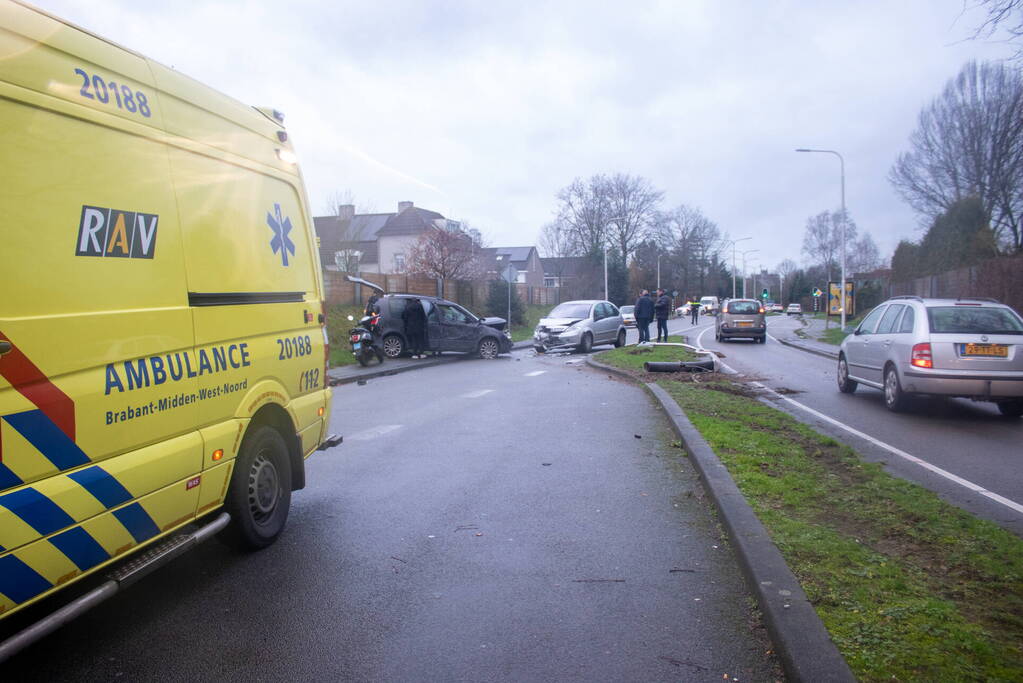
(363, 339)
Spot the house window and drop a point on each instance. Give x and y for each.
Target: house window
(399, 263)
(550, 281)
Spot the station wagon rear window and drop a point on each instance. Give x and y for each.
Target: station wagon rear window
(744, 307)
(973, 320)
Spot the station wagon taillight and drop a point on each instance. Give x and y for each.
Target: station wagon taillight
(921, 356)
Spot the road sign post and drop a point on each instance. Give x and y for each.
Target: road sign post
(510, 275)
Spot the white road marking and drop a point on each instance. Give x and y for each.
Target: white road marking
(477, 394)
(535, 373)
(372, 433)
(965, 483)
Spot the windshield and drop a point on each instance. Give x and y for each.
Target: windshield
(570, 310)
(707, 300)
(974, 320)
(627, 309)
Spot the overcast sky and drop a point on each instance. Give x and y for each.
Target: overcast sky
(483, 110)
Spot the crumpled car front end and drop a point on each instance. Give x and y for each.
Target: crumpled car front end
(554, 334)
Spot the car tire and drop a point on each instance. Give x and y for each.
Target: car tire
(762, 339)
(845, 385)
(539, 349)
(620, 341)
(489, 348)
(1011, 408)
(259, 494)
(394, 346)
(586, 343)
(894, 398)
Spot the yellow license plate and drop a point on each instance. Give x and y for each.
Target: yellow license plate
(996, 350)
(745, 323)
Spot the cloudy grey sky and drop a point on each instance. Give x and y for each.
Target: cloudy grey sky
(483, 110)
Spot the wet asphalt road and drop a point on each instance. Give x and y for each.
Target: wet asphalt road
(484, 521)
(968, 439)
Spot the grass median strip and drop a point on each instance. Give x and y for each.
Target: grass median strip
(910, 587)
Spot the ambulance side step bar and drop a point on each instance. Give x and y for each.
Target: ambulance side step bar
(121, 577)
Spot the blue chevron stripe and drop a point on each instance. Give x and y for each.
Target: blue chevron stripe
(102, 485)
(46, 437)
(38, 511)
(19, 582)
(138, 522)
(80, 547)
(8, 478)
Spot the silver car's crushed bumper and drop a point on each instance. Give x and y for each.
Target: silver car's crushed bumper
(554, 342)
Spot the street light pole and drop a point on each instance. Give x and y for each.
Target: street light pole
(748, 251)
(741, 239)
(841, 165)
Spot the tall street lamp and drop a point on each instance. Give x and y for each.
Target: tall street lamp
(734, 242)
(748, 251)
(841, 165)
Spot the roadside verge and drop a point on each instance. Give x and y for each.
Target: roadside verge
(800, 637)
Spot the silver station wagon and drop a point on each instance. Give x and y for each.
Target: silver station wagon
(971, 348)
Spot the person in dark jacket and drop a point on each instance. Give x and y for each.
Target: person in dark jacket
(414, 317)
(662, 307)
(372, 305)
(694, 311)
(644, 313)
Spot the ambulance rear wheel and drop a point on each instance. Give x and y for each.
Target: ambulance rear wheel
(260, 492)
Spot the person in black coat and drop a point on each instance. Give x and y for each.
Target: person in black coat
(644, 313)
(372, 305)
(662, 307)
(414, 317)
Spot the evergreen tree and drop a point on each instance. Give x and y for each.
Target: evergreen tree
(497, 302)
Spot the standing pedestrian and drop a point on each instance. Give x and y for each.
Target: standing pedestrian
(372, 306)
(694, 312)
(662, 307)
(414, 318)
(644, 313)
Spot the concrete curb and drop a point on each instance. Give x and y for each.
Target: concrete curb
(800, 638)
(808, 349)
(383, 370)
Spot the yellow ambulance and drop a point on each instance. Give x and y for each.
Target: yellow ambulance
(163, 353)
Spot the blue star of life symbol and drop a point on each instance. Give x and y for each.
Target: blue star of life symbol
(281, 227)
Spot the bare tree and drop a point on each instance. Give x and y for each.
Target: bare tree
(556, 243)
(863, 255)
(584, 210)
(632, 202)
(786, 269)
(969, 142)
(822, 241)
(447, 254)
(1005, 14)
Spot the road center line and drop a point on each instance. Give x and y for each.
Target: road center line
(965, 483)
(477, 394)
(372, 433)
(535, 373)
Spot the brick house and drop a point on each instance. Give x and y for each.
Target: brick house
(374, 242)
